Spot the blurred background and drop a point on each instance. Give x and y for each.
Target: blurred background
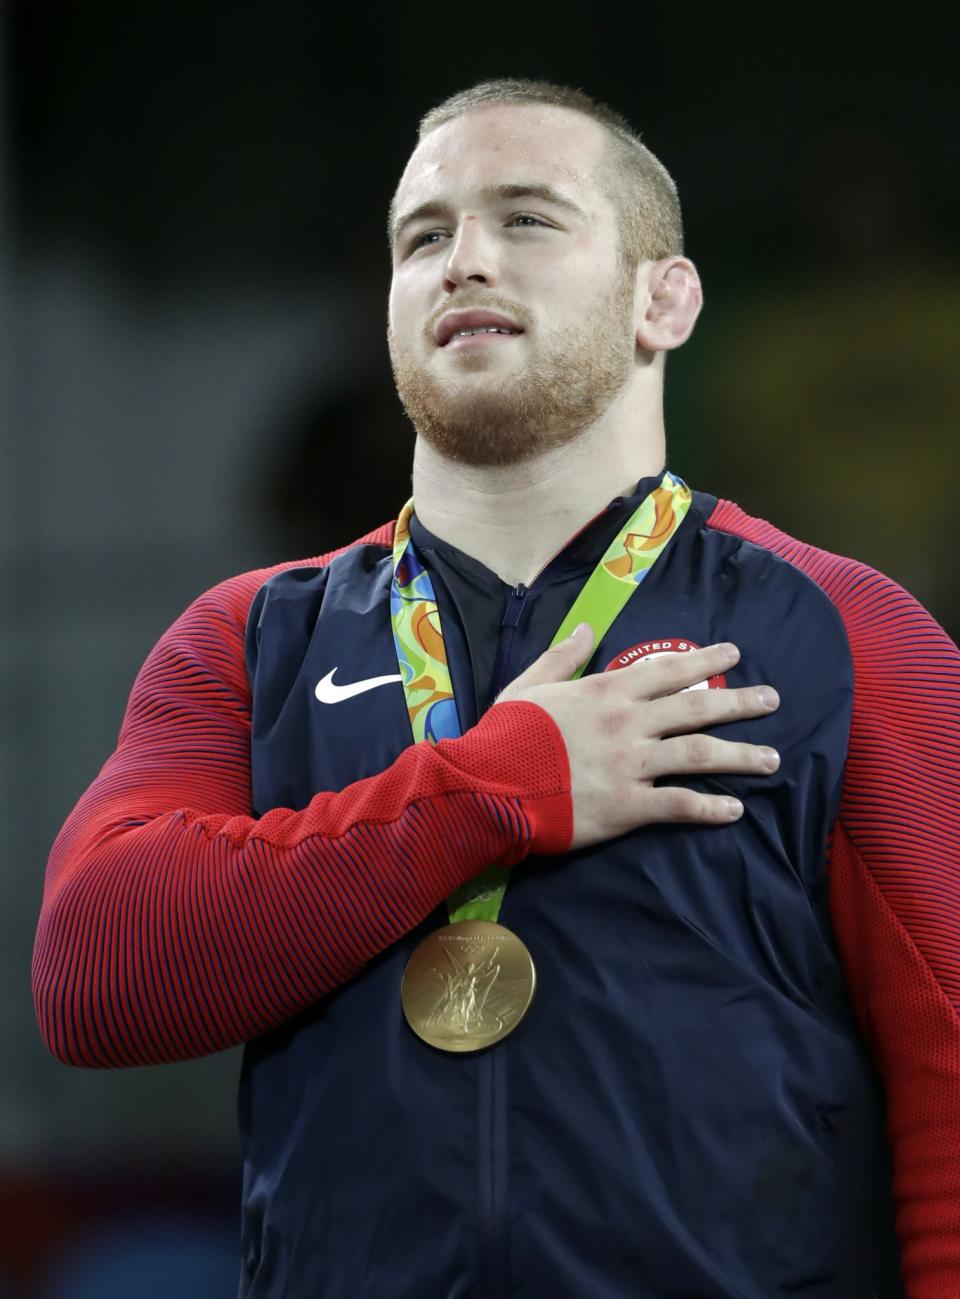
(194, 381)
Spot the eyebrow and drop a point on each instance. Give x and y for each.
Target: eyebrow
(433, 208)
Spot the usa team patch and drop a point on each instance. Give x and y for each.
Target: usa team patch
(654, 649)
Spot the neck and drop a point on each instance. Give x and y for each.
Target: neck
(515, 518)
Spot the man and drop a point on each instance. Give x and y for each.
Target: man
(632, 1063)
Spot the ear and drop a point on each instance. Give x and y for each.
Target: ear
(669, 298)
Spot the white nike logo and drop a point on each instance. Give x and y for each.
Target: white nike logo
(328, 693)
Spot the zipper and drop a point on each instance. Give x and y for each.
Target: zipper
(492, 1065)
(490, 1173)
(614, 504)
(491, 1145)
(508, 633)
(518, 598)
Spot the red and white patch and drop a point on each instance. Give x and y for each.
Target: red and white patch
(648, 650)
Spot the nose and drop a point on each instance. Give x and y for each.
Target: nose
(471, 258)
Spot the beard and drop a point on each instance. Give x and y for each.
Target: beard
(563, 390)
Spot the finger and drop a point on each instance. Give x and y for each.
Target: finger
(656, 677)
(690, 755)
(695, 710)
(672, 803)
(557, 663)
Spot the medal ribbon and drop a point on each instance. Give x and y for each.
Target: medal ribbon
(422, 655)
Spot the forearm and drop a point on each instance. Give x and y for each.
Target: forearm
(167, 934)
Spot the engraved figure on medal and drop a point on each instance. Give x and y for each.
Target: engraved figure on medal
(463, 1004)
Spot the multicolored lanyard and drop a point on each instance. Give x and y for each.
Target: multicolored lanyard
(422, 655)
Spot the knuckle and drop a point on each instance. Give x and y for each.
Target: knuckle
(683, 805)
(699, 750)
(752, 700)
(672, 669)
(699, 705)
(739, 701)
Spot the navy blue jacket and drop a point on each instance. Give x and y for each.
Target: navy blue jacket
(688, 1110)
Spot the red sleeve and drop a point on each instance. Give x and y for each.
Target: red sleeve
(174, 924)
(895, 886)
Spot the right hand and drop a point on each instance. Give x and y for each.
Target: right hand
(623, 730)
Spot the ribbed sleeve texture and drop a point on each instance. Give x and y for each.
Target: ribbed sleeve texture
(895, 885)
(174, 923)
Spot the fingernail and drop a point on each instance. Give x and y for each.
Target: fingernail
(768, 697)
(729, 651)
(734, 808)
(770, 759)
(580, 628)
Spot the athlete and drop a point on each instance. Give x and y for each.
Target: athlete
(577, 856)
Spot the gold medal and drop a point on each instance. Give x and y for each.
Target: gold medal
(467, 985)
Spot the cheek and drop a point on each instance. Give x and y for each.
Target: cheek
(399, 313)
(595, 264)
(407, 304)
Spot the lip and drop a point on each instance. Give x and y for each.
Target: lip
(453, 321)
(466, 342)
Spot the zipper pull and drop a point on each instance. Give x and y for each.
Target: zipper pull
(511, 614)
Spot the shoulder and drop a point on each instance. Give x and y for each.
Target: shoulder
(212, 629)
(762, 539)
(228, 604)
(885, 624)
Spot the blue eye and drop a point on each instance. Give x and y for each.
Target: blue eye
(419, 241)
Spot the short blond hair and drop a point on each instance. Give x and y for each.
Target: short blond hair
(642, 190)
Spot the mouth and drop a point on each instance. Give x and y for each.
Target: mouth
(479, 338)
(458, 329)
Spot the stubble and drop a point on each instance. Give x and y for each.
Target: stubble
(563, 389)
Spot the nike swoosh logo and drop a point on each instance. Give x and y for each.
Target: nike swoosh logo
(329, 693)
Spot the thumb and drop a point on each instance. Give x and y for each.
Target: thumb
(558, 663)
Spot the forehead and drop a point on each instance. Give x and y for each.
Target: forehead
(502, 143)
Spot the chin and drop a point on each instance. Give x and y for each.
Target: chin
(495, 426)
(474, 362)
